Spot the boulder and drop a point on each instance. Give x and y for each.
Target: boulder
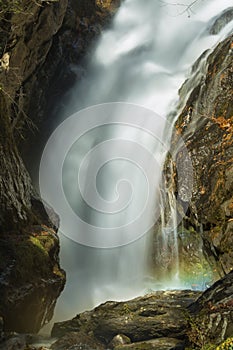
(159, 344)
(119, 339)
(30, 278)
(156, 315)
(77, 340)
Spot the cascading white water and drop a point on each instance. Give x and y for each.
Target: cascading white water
(142, 59)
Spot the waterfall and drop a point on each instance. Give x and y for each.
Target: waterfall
(132, 80)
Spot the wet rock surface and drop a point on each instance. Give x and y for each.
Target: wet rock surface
(206, 125)
(160, 320)
(156, 315)
(212, 313)
(159, 343)
(221, 20)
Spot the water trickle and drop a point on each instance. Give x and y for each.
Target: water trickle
(143, 59)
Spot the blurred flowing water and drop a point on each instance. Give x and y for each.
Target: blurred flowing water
(142, 59)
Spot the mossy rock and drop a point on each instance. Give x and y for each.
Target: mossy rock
(27, 256)
(226, 345)
(30, 278)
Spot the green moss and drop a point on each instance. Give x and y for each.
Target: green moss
(205, 347)
(36, 243)
(10, 6)
(28, 255)
(126, 309)
(200, 336)
(218, 214)
(209, 347)
(44, 242)
(226, 345)
(198, 332)
(31, 260)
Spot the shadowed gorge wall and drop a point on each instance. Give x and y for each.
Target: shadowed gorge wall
(37, 46)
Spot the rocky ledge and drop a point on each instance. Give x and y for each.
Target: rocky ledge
(161, 320)
(156, 315)
(164, 320)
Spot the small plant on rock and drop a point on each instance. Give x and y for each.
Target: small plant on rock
(198, 332)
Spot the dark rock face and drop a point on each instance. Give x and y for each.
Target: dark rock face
(40, 41)
(30, 275)
(31, 279)
(157, 315)
(206, 125)
(212, 313)
(48, 85)
(220, 22)
(15, 342)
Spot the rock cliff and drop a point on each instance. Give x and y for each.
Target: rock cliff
(38, 42)
(31, 278)
(206, 125)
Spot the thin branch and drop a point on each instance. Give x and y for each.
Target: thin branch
(15, 121)
(187, 7)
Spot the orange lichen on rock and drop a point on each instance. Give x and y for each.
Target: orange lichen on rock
(225, 124)
(202, 191)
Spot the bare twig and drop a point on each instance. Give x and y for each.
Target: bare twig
(16, 120)
(187, 8)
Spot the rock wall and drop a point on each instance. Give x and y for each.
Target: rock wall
(205, 124)
(30, 276)
(40, 41)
